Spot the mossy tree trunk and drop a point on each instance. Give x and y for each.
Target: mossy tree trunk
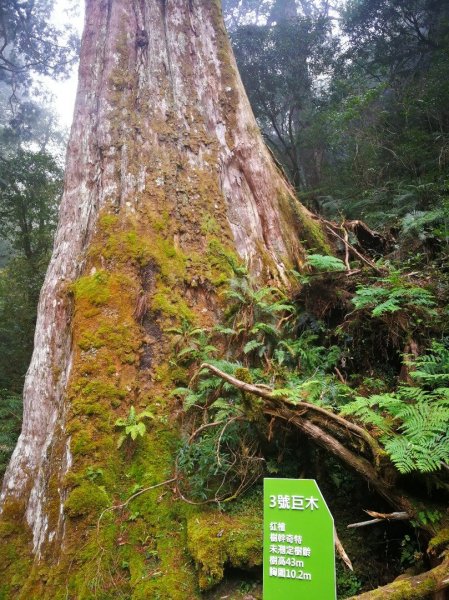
(166, 173)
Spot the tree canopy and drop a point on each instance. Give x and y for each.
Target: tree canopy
(31, 43)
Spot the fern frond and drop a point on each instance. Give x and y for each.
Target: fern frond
(322, 262)
(252, 345)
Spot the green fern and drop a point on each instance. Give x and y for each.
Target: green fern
(325, 263)
(432, 368)
(133, 426)
(394, 293)
(413, 422)
(253, 345)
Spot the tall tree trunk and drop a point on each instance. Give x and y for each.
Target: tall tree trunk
(166, 175)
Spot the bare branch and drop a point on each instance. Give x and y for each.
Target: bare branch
(359, 255)
(269, 395)
(342, 552)
(125, 504)
(381, 517)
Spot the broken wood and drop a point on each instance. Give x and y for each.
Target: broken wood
(380, 517)
(359, 255)
(342, 552)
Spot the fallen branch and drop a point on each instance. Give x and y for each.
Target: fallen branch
(267, 394)
(282, 408)
(207, 425)
(359, 255)
(395, 516)
(342, 552)
(380, 517)
(346, 242)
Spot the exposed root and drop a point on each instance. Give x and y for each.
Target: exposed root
(125, 504)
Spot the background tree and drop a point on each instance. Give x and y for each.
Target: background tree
(387, 116)
(30, 43)
(31, 149)
(29, 196)
(281, 65)
(30, 189)
(361, 128)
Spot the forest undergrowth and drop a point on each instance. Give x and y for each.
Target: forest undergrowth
(359, 352)
(343, 378)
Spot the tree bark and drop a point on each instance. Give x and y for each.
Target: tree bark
(429, 584)
(166, 175)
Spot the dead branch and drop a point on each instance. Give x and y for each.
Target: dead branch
(329, 443)
(286, 410)
(359, 255)
(380, 517)
(346, 242)
(262, 392)
(395, 516)
(339, 375)
(125, 504)
(207, 425)
(342, 552)
(220, 437)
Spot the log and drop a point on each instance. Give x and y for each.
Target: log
(416, 587)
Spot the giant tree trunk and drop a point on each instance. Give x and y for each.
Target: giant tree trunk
(166, 174)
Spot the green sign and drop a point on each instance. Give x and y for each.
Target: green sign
(298, 555)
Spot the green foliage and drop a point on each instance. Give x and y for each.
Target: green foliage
(133, 426)
(10, 425)
(324, 263)
(93, 473)
(253, 316)
(214, 467)
(280, 57)
(19, 289)
(394, 293)
(30, 185)
(432, 368)
(348, 584)
(413, 421)
(30, 43)
(410, 422)
(220, 459)
(371, 140)
(191, 342)
(409, 551)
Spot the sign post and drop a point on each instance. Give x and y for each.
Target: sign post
(298, 555)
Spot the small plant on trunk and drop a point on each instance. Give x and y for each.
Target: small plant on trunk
(133, 426)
